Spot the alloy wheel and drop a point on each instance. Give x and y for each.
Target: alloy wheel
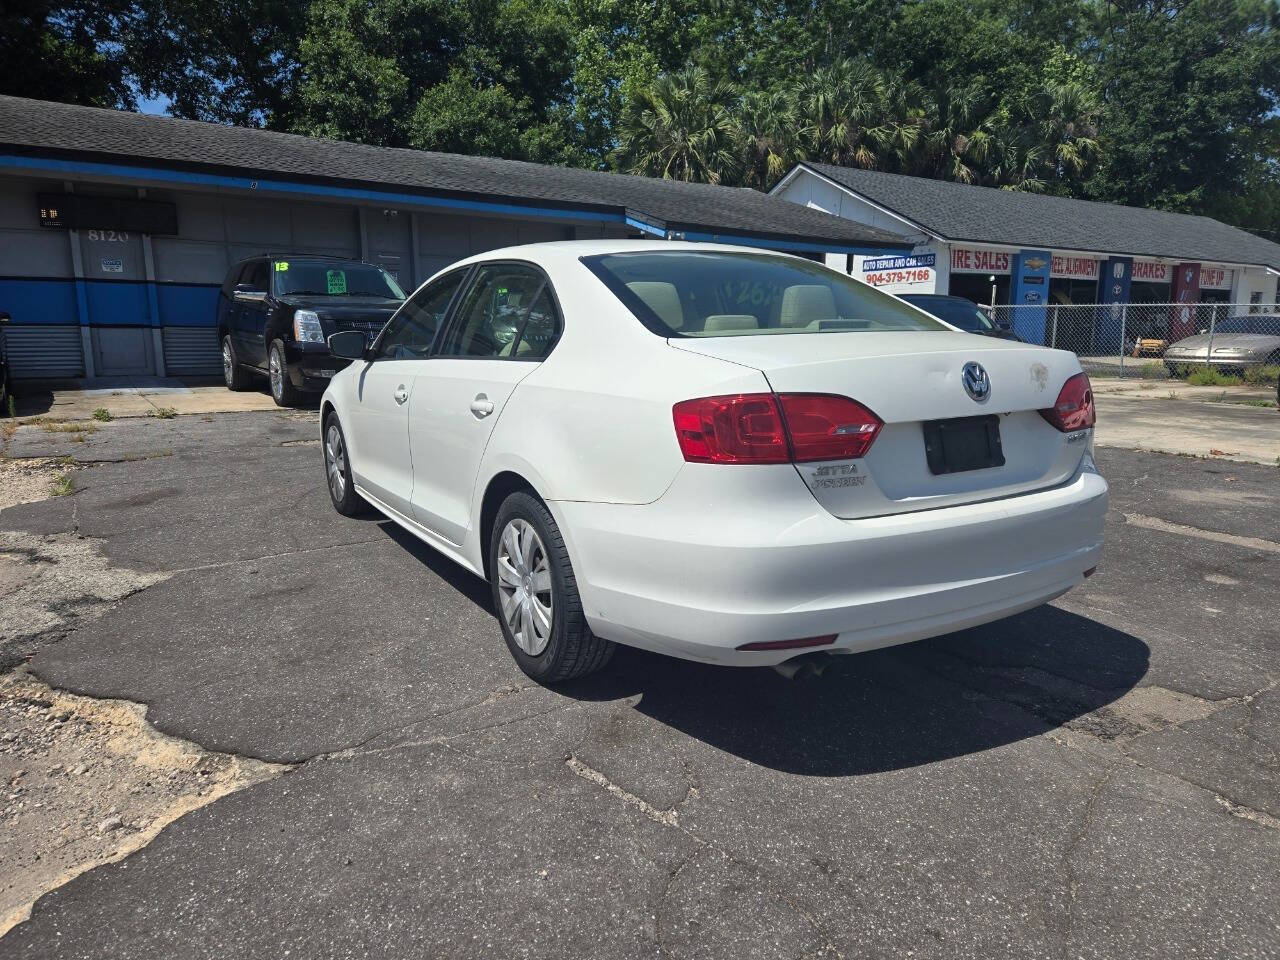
(335, 462)
(277, 375)
(228, 364)
(524, 586)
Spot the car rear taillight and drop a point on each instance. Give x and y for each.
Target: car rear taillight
(827, 427)
(774, 428)
(1073, 409)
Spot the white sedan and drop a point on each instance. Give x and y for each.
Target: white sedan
(723, 454)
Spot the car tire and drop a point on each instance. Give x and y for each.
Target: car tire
(283, 392)
(337, 470)
(234, 376)
(550, 641)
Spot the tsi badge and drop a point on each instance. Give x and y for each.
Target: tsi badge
(976, 382)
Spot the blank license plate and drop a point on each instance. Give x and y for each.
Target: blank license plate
(965, 443)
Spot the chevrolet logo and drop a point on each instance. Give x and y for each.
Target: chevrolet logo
(1035, 263)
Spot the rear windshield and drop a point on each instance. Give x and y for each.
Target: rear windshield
(328, 278)
(687, 293)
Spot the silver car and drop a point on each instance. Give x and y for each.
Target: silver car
(1245, 340)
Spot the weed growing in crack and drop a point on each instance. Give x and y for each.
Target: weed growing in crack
(63, 485)
(165, 413)
(103, 414)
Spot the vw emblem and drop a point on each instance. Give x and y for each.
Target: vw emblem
(976, 382)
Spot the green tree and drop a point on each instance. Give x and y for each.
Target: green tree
(681, 127)
(842, 114)
(1184, 86)
(70, 52)
(367, 67)
(225, 61)
(765, 131)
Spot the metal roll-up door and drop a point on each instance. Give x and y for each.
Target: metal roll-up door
(44, 352)
(191, 351)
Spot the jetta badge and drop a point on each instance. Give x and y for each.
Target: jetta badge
(976, 382)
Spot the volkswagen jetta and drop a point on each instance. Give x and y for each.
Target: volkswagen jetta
(723, 454)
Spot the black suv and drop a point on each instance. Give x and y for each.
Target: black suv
(275, 315)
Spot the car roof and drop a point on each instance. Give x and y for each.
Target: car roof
(563, 250)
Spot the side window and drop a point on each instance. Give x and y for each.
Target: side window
(410, 332)
(540, 329)
(493, 311)
(255, 274)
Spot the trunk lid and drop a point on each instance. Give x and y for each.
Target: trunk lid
(908, 379)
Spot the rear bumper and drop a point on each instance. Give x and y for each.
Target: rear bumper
(691, 576)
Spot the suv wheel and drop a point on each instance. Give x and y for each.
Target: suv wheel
(337, 471)
(536, 595)
(235, 376)
(283, 392)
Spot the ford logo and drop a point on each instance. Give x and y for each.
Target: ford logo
(976, 382)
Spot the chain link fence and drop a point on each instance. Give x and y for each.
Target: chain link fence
(1213, 342)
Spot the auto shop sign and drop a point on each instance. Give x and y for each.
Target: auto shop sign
(1148, 271)
(1074, 268)
(974, 260)
(1216, 278)
(901, 274)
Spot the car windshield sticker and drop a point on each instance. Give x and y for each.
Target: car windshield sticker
(337, 282)
(281, 266)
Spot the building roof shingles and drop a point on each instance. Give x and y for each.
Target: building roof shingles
(58, 129)
(959, 212)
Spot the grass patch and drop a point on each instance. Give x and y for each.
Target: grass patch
(1206, 376)
(1153, 371)
(1263, 374)
(165, 413)
(1246, 401)
(103, 414)
(63, 485)
(69, 426)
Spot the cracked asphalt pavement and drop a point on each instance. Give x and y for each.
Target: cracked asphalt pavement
(1096, 778)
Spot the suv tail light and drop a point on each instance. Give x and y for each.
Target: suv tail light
(774, 428)
(1073, 409)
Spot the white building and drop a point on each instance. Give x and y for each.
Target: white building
(980, 243)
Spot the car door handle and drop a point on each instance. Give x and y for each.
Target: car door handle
(401, 394)
(481, 406)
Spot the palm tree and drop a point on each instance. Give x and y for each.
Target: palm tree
(766, 136)
(903, 123)
(958, 136)
(681, 128)
(1047, 140)
(840, 114)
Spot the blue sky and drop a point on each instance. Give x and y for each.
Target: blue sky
(156, 105)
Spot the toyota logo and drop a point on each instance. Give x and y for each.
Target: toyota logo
(976, 382)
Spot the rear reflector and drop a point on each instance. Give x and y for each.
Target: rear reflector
(1073, 409)
(791, 644)
(774, 428)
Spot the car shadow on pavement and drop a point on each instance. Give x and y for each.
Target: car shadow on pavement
(895, 708)
(885, 710)
(464, 581)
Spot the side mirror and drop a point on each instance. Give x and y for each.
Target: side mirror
(348, 344)
(246, 291)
